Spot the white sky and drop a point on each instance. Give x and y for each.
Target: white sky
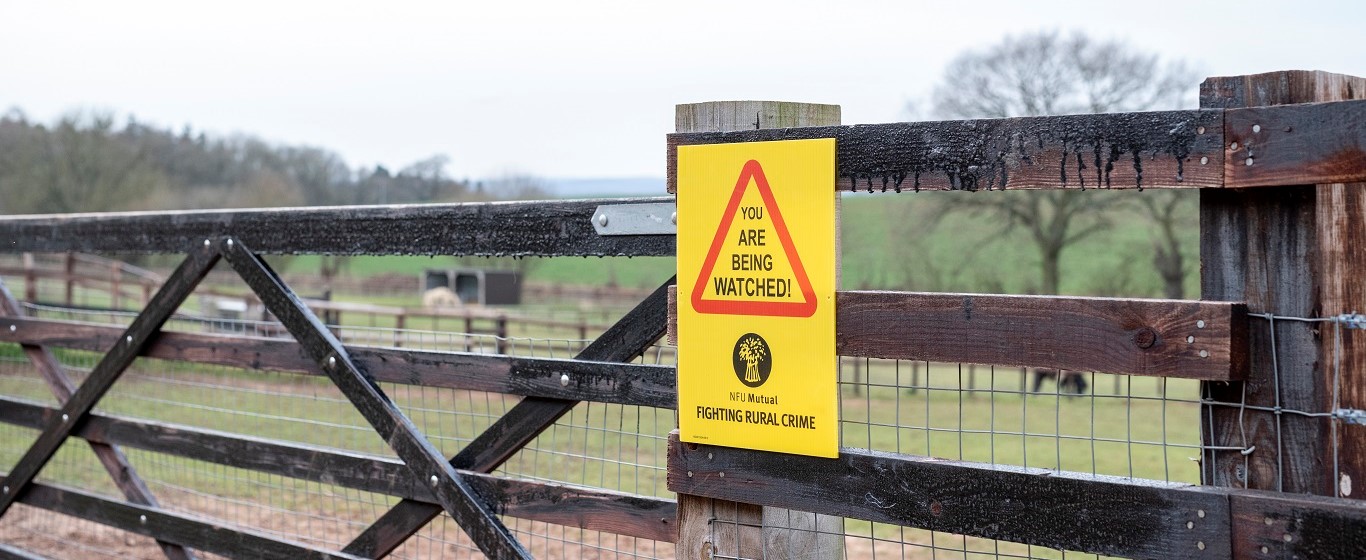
(576, 88)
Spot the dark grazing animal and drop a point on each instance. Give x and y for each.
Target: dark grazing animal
(1073, 382)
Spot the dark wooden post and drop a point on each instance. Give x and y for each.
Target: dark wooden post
(718, 528)
(501, 331)
(70, 274)
(30, 279)
(1295, 251)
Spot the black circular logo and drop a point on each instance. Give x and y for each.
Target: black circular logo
(752, 360)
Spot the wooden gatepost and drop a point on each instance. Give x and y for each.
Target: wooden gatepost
(1272, 341)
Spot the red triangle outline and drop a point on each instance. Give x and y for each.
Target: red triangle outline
(753, 171)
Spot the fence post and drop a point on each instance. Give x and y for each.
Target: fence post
(1294, 251)
(70, 268)
(30, 279)
(737, 531)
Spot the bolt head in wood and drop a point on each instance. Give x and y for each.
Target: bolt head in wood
(13, 328)
(435, 480)
(1256, 128)
(206, 242)
(602, 219)
(142, 519)
(7, 488)
(229, 243)
(128, 339)
(1204, 160)
(65, 418)
(332, 361)
(564, 380)
(1200, 324)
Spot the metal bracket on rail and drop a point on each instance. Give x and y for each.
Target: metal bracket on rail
(647, 218)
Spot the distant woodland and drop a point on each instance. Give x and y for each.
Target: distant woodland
(89, 162)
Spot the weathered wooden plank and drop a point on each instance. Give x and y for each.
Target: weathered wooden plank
(1294, 251)
(124, 476)
(201, 534)
(1168, 338)
(419, 455)
(1168, 149)
(1098, 514)
(624, 341)
(598, 510)
(607, 382)
(535, 228)
(1295, 144)
(144, 327)
(1296, 526)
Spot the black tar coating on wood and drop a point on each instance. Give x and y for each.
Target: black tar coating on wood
(535, 228)
(1081, 512)
(984, 154)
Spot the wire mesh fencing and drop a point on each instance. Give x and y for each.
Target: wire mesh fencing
(594, 446)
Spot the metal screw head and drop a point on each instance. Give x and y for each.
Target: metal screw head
(674, 218)
(1190, 339)
(13, 328)
(1265, 550)
(1204, 353)
(7, 488)
(1256, 128)
(1233, 146)
(332, 360)
(708, 456)
(229, 243)
(1287, 538)
(435, 480)
(128, 339)
(1248, 161)
(721, 474)
(206, 242)
(1200, 513)
(689, 476)
(1190, 524)
(1200, 545)
(564, 380)
(602, 219)
(1267, 520)
(65, 418)
(1200, 324)
(1199, 130)
(142, 519)
(1204, 160)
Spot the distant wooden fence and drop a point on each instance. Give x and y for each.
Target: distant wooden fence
(1282, 404)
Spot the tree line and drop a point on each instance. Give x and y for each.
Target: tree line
(91, 162)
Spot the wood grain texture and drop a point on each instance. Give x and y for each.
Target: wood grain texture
(624, 341)
(115, 463)
(181, 529)
(1294, 251)
(1111, 335)
(1296, 526)
(534, 228)
(1295, 144)
(1080, 512)
(607, 382)
(143, 328)
(598, 510)
(1123, 150)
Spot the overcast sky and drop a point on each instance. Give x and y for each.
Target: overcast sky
(574, 88)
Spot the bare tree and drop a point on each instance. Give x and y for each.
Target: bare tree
(1047, 73)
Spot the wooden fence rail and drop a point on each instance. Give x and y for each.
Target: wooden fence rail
(1254, 246)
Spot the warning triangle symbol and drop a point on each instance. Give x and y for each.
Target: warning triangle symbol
(753, 173)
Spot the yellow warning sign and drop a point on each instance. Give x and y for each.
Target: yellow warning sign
(756, 286)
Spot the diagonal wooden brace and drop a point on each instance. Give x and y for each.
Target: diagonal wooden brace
(626, 340)
(422, 458)
(113, 459)
(145, 327)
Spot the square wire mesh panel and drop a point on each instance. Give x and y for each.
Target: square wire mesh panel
(595, 445)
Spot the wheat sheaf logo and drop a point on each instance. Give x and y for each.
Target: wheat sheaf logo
(752, 360)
